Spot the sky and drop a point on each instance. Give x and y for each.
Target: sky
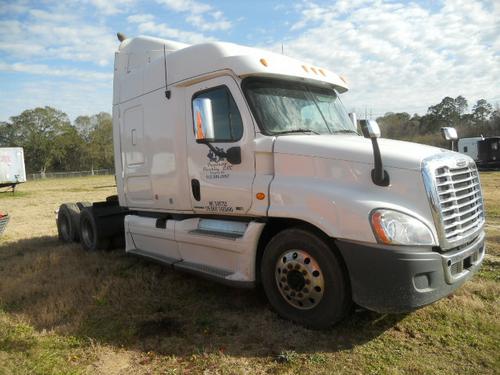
(396, 55)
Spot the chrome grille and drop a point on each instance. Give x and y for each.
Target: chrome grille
(459, 196)
(452, 184)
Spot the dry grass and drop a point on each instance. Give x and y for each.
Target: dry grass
(63, 310)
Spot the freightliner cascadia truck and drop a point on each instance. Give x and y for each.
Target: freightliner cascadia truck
(243, 166)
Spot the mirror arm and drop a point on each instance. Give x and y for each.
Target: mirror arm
(380, 177)
(219, 153)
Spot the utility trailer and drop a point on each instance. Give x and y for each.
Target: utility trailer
(12, 170)
(243, 166)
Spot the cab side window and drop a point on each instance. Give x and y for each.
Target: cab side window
(228, 126)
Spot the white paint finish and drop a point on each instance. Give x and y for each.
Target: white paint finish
(136, 180)
(137, 55)
(118, 156)
(338, 196)
(129, 242)
(139, 190)
(396, 154)
(133, 134)
(154, 75)
(12, 169)
(146, 237)
(225, 188)
(234, 255)
(165, 141)
(261, 184)
(163, 166)
(264, 173)
(472, 147)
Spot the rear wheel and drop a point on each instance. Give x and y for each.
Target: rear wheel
(92, 236)
(67, 222)
(304, 280)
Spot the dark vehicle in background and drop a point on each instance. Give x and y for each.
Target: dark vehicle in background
(489, 153)
(484, 150)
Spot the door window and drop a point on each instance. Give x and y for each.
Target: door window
(228, 126)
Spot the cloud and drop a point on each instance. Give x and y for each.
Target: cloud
(46, 70)
(140, 18)
(191, 6)
(199, 15)
(401, 56)
(108, 7)
(56, 34)
(146, 25)
(165, 31)
(14, 8)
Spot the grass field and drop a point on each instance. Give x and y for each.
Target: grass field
(65, 311)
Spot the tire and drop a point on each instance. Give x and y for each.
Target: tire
(68, 222)
(92, 236)
(304, 280)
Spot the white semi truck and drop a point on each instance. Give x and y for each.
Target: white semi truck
(243, 166)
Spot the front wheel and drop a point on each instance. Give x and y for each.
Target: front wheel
(304, 280)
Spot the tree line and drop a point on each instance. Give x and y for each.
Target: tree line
(483, 119)
(52, 143)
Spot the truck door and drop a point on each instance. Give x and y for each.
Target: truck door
(217, 186)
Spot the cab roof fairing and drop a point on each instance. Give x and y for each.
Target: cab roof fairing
(186, 62)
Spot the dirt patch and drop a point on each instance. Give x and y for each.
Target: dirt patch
(112, 363)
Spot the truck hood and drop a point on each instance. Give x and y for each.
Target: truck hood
(396, 154)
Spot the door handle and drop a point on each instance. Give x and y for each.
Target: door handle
(195, 187)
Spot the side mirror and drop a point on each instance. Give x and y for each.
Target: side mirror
(449, 134)
(370, 128)
(354, 119)
(203, 120)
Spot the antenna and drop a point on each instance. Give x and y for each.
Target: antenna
(168, 93)
(282, 49)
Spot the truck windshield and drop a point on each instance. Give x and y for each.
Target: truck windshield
(282, 107)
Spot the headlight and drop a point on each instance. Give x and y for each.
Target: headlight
(396, 228)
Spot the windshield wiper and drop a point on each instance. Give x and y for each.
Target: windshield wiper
(345, 131)
(296, 131)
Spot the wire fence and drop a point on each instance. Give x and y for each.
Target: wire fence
(95, 172)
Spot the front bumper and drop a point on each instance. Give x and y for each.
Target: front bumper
(400, 278)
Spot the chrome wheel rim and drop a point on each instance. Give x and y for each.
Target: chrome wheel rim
(299, 279)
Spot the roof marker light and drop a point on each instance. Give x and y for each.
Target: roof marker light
(322, 72)
(263, 62)
(305, 68)
(343, 79)
(314, 70)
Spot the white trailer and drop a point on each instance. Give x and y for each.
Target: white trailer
(470, 147)
(243, 166)
(12, 170)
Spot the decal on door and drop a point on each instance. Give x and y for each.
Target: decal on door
(218, 167)
(219, 206)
